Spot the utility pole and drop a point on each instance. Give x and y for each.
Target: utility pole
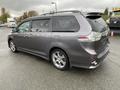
(55, 5)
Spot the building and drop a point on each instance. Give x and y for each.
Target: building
(2, 11)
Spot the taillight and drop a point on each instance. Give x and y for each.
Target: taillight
(83, 38)
(87, 41)
(93, 36)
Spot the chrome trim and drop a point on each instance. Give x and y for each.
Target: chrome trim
(94, 63)
(92, 67)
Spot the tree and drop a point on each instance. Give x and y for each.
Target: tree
(105, 15)
(4, 17)
(32, 13)
(106, 12)
(110, 14)
(26, 15)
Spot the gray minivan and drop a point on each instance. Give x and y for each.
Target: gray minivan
(66, 38)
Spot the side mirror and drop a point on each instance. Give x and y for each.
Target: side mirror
(14, 30)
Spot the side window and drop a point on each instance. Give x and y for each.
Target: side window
(65, 24)
(41, 25)
(24, 27)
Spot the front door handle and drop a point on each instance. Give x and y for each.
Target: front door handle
(56, 36)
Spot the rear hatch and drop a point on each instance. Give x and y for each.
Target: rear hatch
(100, 28)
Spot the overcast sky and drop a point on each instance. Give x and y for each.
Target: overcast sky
(17, 7)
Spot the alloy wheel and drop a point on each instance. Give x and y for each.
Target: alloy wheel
(12, 46)
(59, 59)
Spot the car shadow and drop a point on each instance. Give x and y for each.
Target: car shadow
(72, 71)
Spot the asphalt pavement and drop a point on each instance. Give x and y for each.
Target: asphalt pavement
(21, 71)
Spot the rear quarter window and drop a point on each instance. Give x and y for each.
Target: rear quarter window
(65, 24)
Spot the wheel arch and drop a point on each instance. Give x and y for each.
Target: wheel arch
(53, 48)
(9, 39)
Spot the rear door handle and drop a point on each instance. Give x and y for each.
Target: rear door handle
(28, 35)
(25, 35)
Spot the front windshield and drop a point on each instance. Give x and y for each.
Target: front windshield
(117, 13)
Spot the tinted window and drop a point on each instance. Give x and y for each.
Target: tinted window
(24, 27)
(40, 25)
(65, 24)
(98, 25)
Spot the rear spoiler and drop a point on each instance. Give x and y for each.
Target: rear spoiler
(93, 15)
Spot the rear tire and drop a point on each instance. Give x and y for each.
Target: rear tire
(12, 46)
(59, 59)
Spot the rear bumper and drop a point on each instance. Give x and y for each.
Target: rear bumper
(89, 61)
(98, 61)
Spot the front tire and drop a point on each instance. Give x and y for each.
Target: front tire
(59, 59)
(12, 46)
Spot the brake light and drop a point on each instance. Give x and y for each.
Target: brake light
(83, 38)
(93, 36)
(86, 43)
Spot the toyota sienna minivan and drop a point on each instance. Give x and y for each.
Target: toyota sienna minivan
(66, 38)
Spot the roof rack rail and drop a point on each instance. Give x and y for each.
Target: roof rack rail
(73, 11)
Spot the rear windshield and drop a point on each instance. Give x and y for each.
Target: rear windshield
(97, 23)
